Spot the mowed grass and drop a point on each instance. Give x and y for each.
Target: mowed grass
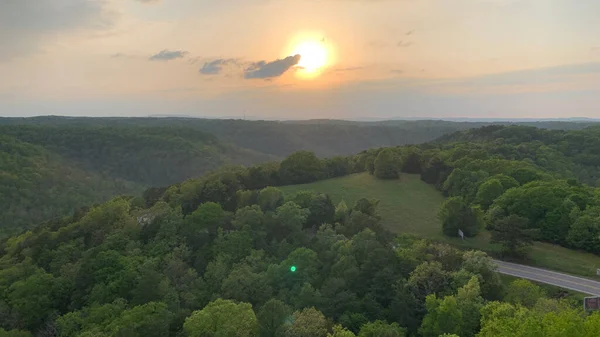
(408, 205)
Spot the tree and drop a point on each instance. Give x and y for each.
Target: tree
(271, 316)
(233, 245)
(470, 303)
(456, 214)
(481, 265)
(585, 231)
(270, 198)
(250, 217)
(339, 331)
(387, 164)
(411, 161)
(244, 285)
(151, 285)
(464, 183)
(309, 322)
(454, 314)
(443, 316)
(435, 171)
(487, 192)
(337, 166)
(506, 181)
(429, 278)
(503, 320)
(353, 320)
(524, 293)
(321, 207)
(341, 212)
(32, 299)
(17, 333)
(222, 318)
(381, 329)
(366, 206)
(301, 167)
(513, 234)
(289, 218)
(207, 216)
(150, 319)
(524, 175)
(307, 267)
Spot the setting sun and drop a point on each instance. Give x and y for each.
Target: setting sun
(313, 55)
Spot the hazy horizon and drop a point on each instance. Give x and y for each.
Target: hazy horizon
(328, 59)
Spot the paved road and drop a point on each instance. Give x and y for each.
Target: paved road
(579, 284)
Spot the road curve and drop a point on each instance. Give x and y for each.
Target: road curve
(579, 284)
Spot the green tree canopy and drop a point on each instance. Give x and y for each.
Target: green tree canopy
(222, 318)
(301, 167)
(513, 234)
(457, 214)
(381, 329)
(387, 164)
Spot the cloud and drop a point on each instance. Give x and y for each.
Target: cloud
(403, 43)
(126, 56)
(347, 69)
(276, 68)
(376, 44)
(167, 55)
(397, 71)
(148, 1)
(25, 24)
(215, 67)
(410, 32)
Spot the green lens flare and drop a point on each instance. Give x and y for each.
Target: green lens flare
(293, 269)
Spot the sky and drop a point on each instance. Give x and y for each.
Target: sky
(281, 59)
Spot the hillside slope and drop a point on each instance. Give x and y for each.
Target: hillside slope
(49, 171)
(325, 138)
(36, 184)
(410, 206)
(407, 205)
(152, 156)
(568, 153)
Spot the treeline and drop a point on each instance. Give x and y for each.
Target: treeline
(510, 180)
(326, 138)
(257, 264)
(280, 139)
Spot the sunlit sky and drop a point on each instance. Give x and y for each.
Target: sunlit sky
(362, 58)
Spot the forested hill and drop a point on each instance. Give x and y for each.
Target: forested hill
(36, 184)
(110, 156)
(227, 254)
(279, 138)
(49, 171)
(573, 153)
(326, 138)
(151, 156)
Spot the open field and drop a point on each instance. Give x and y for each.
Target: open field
(409, 205)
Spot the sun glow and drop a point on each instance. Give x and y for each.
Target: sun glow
(316, 53)
(313, 55)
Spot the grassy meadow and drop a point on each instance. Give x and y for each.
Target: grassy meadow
(408, 205)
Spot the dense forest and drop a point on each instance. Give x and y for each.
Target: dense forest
(326, 138)
(227, 254)
(49, 171)
(53, 165)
